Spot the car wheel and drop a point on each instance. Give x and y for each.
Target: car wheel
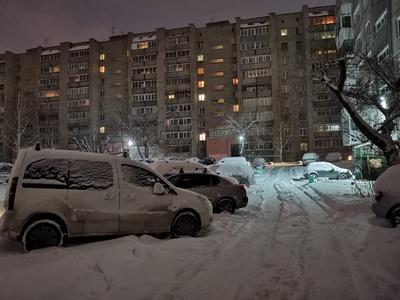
(42, 234)
(225, 205)
(343, 176)
(315, 175)
(394, 218)
(185, 224)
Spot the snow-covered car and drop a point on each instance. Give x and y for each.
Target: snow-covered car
(333, 157)
(259, 163)
(5, 170)
(54, 194)
(223, 194)
(309, 157)
(386, 202)
(237, 168)
(327, 170)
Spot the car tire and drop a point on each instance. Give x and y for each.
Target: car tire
(225, 205)
(343, 176)
(185, 224)
(42, 234)
(394, 218)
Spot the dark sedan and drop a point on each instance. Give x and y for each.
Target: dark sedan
(224, 195)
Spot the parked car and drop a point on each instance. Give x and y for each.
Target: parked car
(224, 195)
(5, 170)
(309, 158)
(208, 161)
(259, 163)
(386, 202)
(328, 170)
(333, 157)
(54, 194)
(236, 167)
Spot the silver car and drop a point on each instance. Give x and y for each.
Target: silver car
(386, 203)
(223, 194)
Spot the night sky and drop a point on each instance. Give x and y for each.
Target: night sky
(30, 23)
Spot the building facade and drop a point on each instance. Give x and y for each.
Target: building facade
(181, 87)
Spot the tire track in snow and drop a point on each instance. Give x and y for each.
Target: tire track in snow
(362, 292)
(371, 276)
(285, 196)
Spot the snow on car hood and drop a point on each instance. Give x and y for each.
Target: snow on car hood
(318, 166)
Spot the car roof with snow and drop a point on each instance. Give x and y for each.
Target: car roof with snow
(323, 165)
(174, 166)
(31, 154)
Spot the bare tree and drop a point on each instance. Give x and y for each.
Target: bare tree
(17, 126)
(143, 128)
(239, 125)
(91, 143)
(367, 82)
(282, 132)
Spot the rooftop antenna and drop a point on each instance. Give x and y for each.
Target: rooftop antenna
(46, 41)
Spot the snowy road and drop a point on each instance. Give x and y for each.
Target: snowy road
(295, 240)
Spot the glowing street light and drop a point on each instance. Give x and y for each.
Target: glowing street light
(130, 143)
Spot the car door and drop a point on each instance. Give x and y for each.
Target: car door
(141, 210)
(93, 196)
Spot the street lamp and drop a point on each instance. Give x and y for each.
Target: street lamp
(130, 143)
(383, 102)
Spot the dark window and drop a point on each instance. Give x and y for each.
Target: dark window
(346, 22)
(90, 175)
(138, 176)
(284, 46)
(200, 180)
(215, 180)
(46, 173)
(174, 180)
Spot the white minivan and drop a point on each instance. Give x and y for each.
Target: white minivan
(54, 194)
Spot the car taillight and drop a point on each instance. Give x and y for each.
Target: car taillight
(378, 196)
(242, 188)
(13, 189)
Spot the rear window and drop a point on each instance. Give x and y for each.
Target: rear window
(46, 173)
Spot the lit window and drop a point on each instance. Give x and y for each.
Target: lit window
(217, 61)
(220, 100)
(102, 69)
(217, 47)
(235, 81)
(217, 74)
(171, 96)
(202, 137)
(102, 56)
(303, 146)
(202, 97)
(102, 129)
(200, 71)
(201, 84)
(200, 57)
(143, 45)
(284, 32)
(235, 108)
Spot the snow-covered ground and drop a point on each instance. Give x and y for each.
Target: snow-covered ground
(295, 240)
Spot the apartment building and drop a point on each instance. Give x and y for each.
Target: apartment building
(184, 84)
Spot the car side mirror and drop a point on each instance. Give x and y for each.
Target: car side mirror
(158, 189)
